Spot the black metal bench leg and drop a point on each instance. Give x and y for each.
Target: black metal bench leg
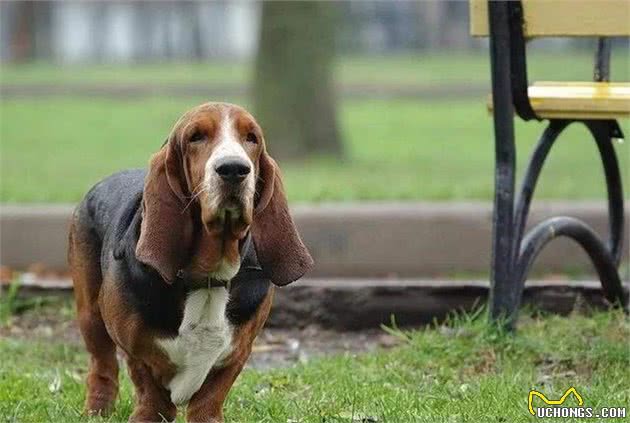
(511, 258)
(503, 293)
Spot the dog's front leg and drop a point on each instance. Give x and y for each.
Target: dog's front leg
(153, 401)
(206, 405)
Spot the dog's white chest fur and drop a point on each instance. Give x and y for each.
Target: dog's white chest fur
(204, 339)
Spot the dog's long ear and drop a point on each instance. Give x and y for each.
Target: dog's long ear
(280, 250)
(167, 228)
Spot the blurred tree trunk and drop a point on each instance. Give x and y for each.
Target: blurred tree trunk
(434, 22)
(23, 33)
(293, 89)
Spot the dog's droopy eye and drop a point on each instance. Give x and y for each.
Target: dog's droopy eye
(251, 137)
(197, 136)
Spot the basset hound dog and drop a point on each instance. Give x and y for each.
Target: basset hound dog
(174, 266)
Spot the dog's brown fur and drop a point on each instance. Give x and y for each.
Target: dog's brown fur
(107, 319)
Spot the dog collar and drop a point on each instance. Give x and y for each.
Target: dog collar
(198, 283)
(245, 250)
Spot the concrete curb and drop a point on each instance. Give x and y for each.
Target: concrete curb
(347, 240)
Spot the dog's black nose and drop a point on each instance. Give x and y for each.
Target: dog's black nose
(232, 169)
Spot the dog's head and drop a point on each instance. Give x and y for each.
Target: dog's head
(211, 183)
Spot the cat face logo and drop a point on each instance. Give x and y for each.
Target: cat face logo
(542, 396)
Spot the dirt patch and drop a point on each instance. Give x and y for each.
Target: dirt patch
(273, 348)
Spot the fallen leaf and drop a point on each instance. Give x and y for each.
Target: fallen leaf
(357, 417)
(55, 385)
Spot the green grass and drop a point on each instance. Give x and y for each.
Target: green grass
(55, 149)
(421, 69)
(459, 372)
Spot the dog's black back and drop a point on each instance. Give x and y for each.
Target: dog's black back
(112, 212)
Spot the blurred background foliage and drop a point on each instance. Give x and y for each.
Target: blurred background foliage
(359, 100)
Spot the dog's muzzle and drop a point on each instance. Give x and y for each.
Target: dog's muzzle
(232, 170)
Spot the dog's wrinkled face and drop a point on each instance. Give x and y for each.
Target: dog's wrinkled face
(210, 184)
(222, 144)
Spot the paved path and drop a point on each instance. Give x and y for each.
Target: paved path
(38, 90)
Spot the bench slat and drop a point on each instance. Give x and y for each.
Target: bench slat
(558, 18)
(580, 100)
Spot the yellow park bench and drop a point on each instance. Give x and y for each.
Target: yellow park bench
(570, 18)
(596, 104)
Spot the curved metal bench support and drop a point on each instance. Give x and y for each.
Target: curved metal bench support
(600, 131)
(580, 232)
(513, 253)
(526, 247)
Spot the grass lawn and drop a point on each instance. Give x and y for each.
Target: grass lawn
(54, 149)
(421, 69)
(457, 372)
